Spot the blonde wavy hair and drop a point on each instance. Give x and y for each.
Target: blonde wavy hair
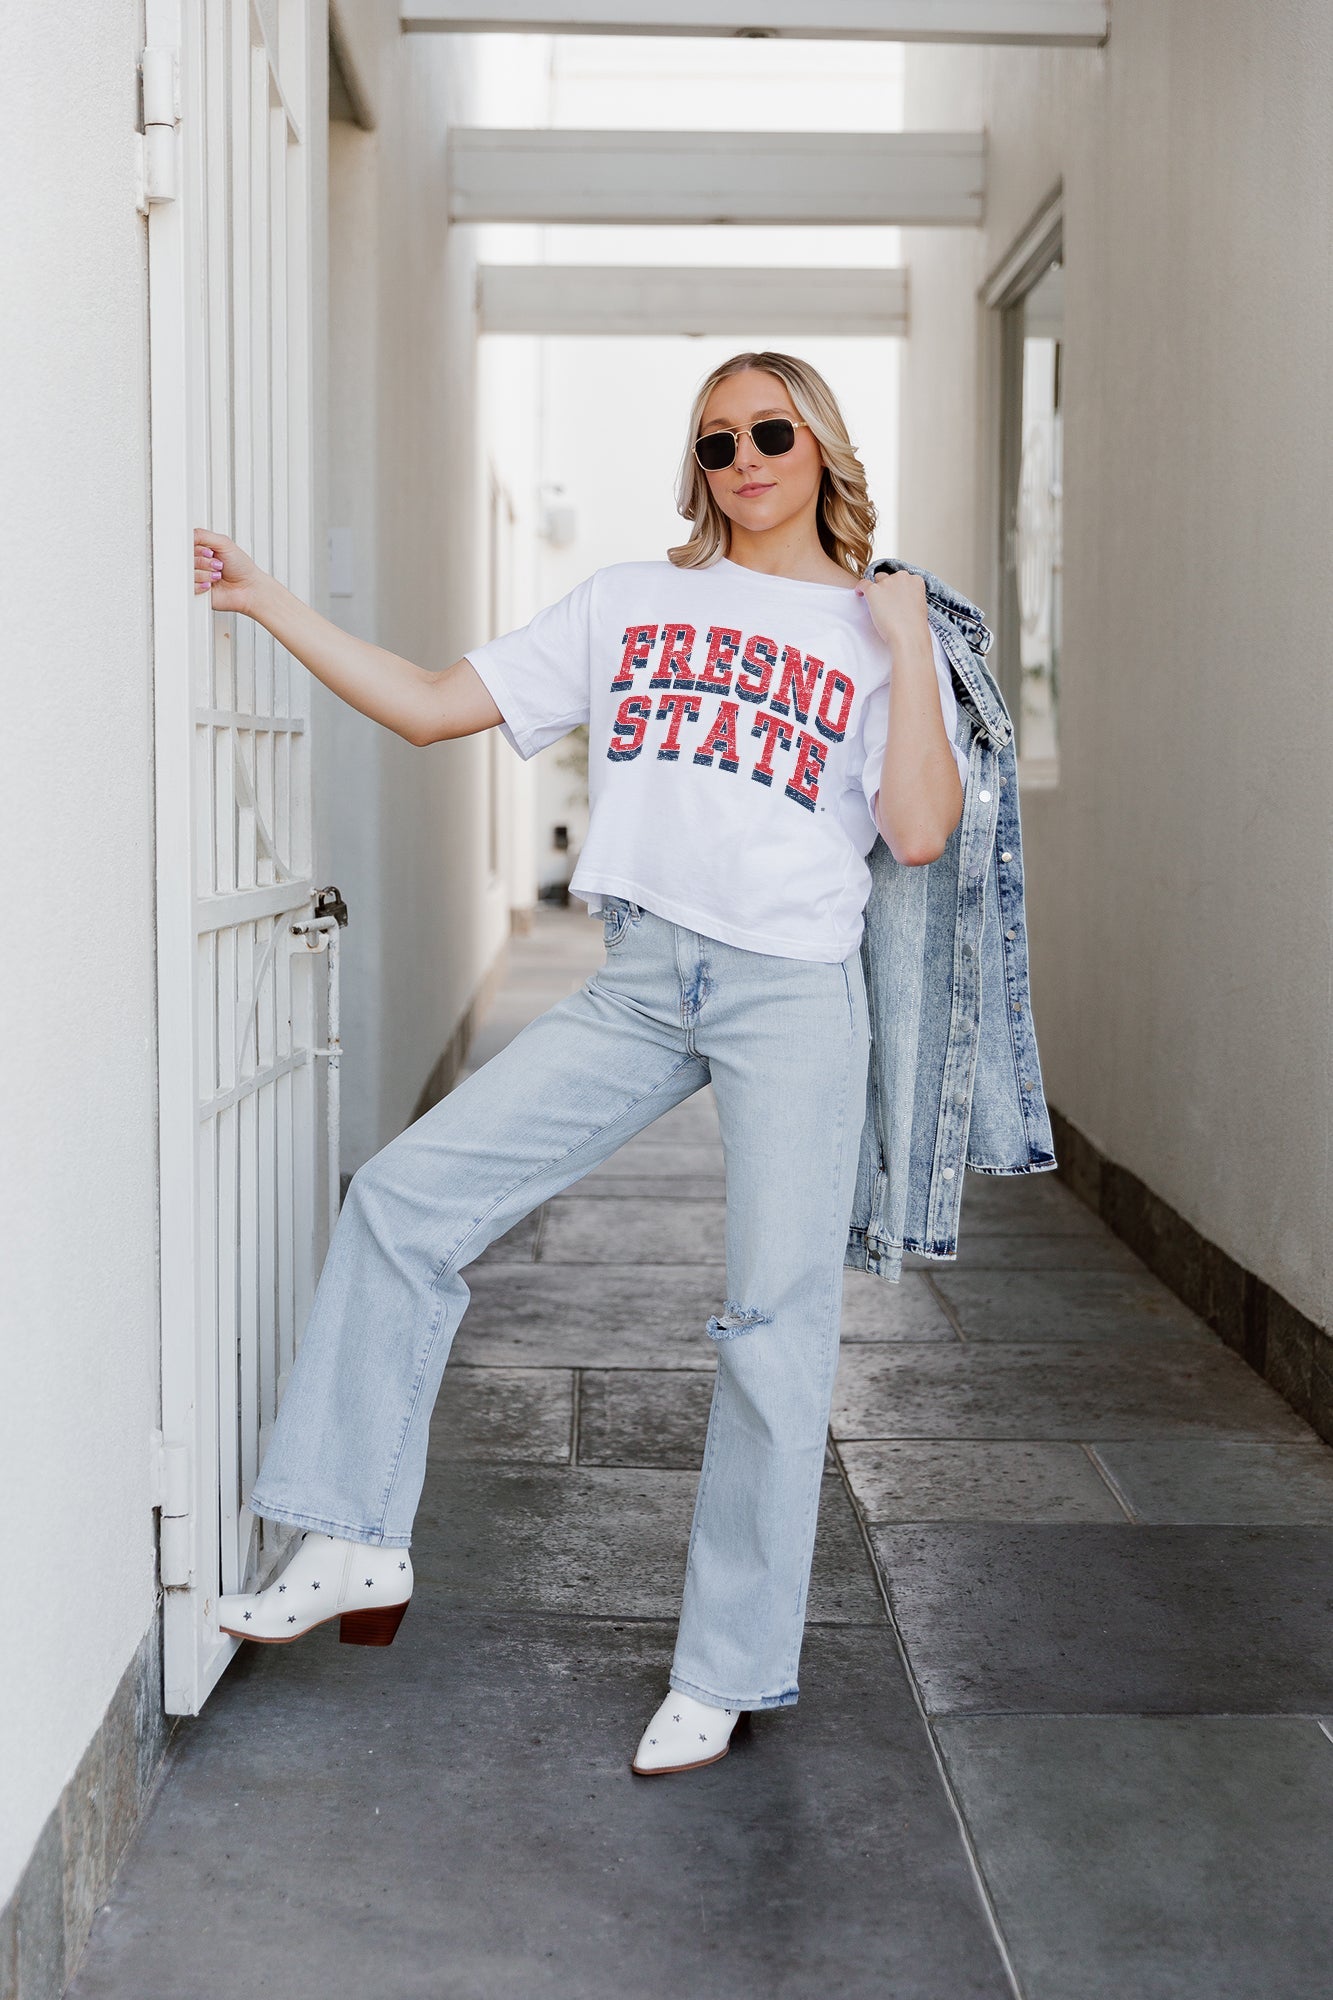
(846, 515)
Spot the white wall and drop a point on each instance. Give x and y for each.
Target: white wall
(77, 1054)
(403, 830)
(1181, 875)
(400, 829)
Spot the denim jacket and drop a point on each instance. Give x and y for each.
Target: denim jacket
(954, 1078)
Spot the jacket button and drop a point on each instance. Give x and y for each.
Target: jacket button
(984, 797)
(948, 1173)
(1010, 934)
(1006, 856)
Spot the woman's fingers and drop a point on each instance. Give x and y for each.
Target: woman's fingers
(213, 549)
(210, 558)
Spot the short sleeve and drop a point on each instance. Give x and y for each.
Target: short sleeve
(876, 724)
(538, 676)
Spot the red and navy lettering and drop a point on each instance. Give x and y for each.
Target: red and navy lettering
(828, 724)
(721, 738)
(773, 729)
(638, 643)
(673, 669)
(761, 656)
(627, 731)
(723, 646)
(804, 782)
(677, 706)
(737, 669)
(797, 683)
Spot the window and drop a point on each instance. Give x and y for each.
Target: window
(1030, 302)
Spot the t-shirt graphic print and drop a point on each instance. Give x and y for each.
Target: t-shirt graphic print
(737, 725)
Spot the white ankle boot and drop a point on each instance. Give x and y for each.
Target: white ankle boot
(367, 1588)
(683, 1735)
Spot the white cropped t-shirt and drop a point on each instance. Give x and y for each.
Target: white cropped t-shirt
(737, 725)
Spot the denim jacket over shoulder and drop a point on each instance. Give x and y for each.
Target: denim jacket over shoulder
(954, 1079)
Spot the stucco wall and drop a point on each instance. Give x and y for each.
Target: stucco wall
(1180, 874)
(400, 829)
(77, 1055)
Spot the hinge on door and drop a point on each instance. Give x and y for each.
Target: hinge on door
(155, 146)
(169, 1485)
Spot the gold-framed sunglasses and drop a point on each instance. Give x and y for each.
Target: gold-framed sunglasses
(771, 437)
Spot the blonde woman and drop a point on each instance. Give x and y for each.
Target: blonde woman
(758, 714)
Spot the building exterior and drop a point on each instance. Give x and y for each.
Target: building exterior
(1111, 426)
(1178, 834)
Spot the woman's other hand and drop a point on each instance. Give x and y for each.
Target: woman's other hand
(897, 601)
(226, 570)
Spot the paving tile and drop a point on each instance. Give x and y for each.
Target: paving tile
(593, 1316)
(517, 1246)
(524, 1414)
(1039, 1202)
(1242, 1484)
(873, 1309)
(1164, 1858)
(971, 1481)
(1033, 1250)
(1180, 1388)
(457, 1816)
(619, 1231)
(631, 1416)
(1069, 1303)
(652, 1154)
(601, 1542)
(646, 1187)
(692, 1122)
(1107, 1620)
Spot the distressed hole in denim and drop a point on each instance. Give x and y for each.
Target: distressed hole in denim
(734, 1319)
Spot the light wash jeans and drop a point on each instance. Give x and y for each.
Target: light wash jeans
(785, 1043)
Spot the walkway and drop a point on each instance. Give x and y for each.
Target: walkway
(1083, 1759)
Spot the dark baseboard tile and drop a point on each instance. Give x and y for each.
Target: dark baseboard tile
(46, 1922)
(1290, 1351)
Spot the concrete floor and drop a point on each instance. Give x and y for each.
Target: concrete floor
(1069, 1650)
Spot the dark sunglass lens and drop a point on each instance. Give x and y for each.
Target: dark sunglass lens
(774, 436)
(715, 450)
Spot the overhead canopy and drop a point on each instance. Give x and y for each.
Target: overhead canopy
(1066, 23)
(655, 298)
(537, 174)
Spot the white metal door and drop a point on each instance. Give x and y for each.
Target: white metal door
(228, 202)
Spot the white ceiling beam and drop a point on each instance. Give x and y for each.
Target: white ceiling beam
(696, 299)
(1036, 23)
(545, 175)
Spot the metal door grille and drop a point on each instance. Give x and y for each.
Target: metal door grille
(229, 264)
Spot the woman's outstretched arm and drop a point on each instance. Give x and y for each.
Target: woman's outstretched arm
(423, 707)
(921, 794)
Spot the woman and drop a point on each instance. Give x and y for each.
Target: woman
(757, 714)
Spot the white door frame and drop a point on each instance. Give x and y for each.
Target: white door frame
(229, 236)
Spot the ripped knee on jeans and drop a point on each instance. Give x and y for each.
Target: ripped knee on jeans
(735, 1318)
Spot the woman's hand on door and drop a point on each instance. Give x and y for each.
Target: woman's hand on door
(226, 570)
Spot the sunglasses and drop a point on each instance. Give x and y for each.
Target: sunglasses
(771, 437)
